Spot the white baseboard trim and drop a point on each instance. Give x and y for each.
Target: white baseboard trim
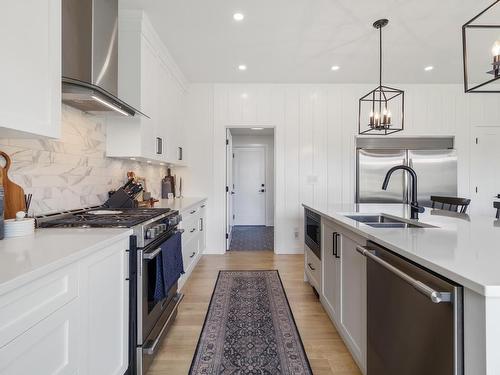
(214, 252)
(290, 251)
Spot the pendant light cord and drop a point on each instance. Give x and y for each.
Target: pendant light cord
(380, 57)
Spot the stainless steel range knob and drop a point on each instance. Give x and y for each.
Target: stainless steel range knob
(149, 234)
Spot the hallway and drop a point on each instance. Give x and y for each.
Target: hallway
(248, 237)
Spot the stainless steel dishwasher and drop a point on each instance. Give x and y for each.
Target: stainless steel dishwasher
(414, 318)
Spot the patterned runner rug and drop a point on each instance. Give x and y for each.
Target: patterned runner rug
(249, 329)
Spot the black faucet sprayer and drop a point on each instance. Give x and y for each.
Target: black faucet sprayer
(415, 208)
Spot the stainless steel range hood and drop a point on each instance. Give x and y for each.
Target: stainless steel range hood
(90, 57)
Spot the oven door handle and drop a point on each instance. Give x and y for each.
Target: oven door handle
(150, 348)
(153, 254)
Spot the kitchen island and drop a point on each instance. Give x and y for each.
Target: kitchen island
(460, 248)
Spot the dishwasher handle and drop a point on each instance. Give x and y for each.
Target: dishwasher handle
(435, 296)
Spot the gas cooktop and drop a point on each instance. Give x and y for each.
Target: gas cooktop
(102, 217)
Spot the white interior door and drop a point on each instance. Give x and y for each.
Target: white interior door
(250, 186)
(229, 187)
(485, 170)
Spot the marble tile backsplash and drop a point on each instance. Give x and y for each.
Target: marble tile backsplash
(72, 172)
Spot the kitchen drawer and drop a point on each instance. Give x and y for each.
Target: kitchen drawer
(203, 208)
(189, 252)
(313, 269)
(51, 346)
(191, 229)
(193, 212)
(23, 307)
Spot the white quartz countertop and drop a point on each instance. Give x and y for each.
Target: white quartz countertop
(463, 248)
(23, 259)
(181, 204)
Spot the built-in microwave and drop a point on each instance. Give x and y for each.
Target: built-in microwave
(312, 231)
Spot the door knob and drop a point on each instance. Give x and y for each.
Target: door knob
(262, 190)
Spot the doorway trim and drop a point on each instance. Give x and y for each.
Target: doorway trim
(249, 126)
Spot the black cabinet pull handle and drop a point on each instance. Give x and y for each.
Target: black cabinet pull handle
(311, 267)
(336, 242)
(192, 230)
(192, 255)
(192, 212)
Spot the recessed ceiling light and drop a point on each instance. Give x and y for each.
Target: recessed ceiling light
(244, 96)
(242, 67)
(335, 67)
(238, 16)
(257, 128)
(429, 68)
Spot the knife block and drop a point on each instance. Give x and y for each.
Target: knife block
(120, 199)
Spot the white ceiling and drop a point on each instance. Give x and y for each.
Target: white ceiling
(297, 41)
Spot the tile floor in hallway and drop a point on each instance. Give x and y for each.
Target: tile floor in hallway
(325, 349)
(246, 237)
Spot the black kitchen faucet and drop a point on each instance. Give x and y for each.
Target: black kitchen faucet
(415, 208)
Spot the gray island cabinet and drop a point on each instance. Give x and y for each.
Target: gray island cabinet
(459, 249)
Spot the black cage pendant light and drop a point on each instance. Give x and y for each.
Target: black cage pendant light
(480, 36)
(381, 111)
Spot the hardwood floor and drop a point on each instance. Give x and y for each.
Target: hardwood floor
(325, 349)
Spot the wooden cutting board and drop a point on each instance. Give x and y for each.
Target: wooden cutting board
(13, 194)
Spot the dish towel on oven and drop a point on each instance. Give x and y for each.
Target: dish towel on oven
(169, 266)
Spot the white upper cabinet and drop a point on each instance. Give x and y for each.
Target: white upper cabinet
(30, 99)
(149, 80)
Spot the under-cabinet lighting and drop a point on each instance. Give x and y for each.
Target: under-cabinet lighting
(335, 68)
(257, 128)
(429, 68)
(242, 67)
(109, 105)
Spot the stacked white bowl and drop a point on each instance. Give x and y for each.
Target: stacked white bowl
(20, 226)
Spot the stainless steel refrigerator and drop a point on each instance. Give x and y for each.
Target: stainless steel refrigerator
(433, 158)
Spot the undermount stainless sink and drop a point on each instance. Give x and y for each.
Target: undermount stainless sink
(384, 221)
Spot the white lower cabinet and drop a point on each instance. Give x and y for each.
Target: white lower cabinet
(104, 308)
(353, 299)
(344, 287)
(50, 347)
(313, 269)
(71, 321)
(331, 271)
(193, 238)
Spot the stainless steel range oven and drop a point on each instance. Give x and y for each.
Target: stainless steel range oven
(153, 316)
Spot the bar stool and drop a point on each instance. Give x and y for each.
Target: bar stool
(450, 203)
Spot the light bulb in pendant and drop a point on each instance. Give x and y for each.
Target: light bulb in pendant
(371, 118)
(495, 50)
